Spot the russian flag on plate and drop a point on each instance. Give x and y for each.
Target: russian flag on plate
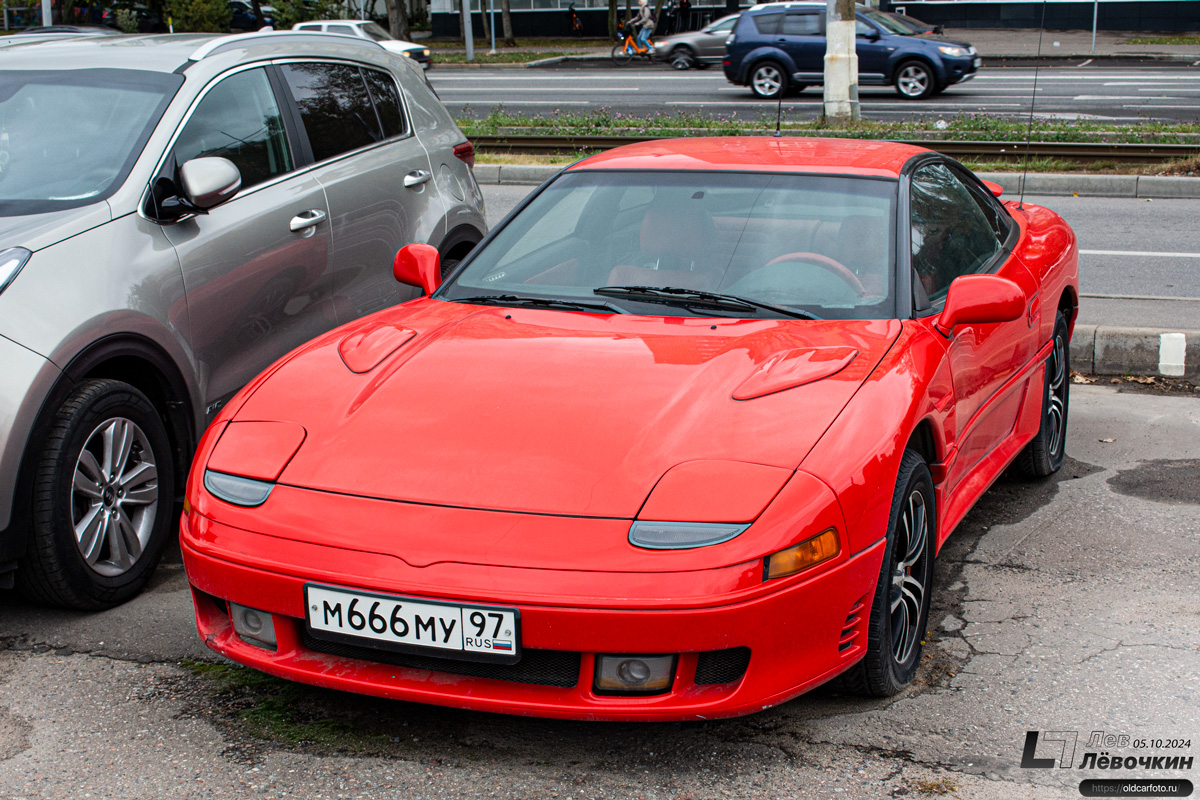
(502, 644)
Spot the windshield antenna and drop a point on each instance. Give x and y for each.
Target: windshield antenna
(779, 111)
(1032, 102)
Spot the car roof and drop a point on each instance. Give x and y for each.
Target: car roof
(779, 5)
(167, 52)
(800, 154)
(334, 22)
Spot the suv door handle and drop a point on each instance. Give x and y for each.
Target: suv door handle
(416, 178)
(306, 219)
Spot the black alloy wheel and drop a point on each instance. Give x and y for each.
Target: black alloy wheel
(1044, 454)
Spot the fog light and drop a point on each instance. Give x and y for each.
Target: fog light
(629, 674)
(254, 626)
(808, 553)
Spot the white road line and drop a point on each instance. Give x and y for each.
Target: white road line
(1124, 97)
(520, 101)
(1146, 253)
(1136, 297)
(598, 90)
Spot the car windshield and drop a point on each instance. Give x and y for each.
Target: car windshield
(724, 25)
(808, 244)
(375, 31)
(69, 137)
(888, 22)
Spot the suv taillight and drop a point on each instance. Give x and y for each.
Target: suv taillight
(466, 152)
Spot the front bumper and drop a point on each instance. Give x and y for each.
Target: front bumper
(959, 70)
(803, 633)
(27, 380)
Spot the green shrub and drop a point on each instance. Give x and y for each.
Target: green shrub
(200, 16)
(127, 20)
(289, 12)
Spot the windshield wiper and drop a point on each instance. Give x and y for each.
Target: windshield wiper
(690, 298)
(540, 302)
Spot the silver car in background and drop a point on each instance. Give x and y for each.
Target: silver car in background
(177, 213)
(697, 49)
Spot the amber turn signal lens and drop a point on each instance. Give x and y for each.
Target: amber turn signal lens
(808, 553)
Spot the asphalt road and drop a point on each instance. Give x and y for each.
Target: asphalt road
(1068, 605)
(1140, 261)
(1106, 91)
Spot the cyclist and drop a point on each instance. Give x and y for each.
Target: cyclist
(645, 22)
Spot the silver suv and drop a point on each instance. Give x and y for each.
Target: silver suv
(178, 212)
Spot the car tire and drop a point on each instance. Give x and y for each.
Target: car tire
(768, 80)
(100, 520)
(915, 80)
(894, 640)
(1044, 454)
(682, 57)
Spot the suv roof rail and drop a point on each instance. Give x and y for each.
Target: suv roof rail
(220, 43)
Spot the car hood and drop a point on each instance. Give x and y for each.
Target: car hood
(554, 412)
(37, 231)
(936, 39)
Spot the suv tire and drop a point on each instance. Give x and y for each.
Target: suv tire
(768, 80)
(915, 80)
(103, 500)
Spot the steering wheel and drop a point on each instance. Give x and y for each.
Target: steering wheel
(826, 263)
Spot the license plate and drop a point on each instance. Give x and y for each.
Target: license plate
(414, 625)
(978, 63)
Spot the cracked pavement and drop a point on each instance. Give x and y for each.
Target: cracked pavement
(1069, 605)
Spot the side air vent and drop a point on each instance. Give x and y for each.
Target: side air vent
(852, 637)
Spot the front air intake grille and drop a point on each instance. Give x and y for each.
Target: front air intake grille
(722, 666)
(540, 667)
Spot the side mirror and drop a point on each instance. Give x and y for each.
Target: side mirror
(208, 182)
(981, 299)
(871, 34)
(419, 265)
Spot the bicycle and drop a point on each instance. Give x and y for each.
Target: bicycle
(576, 24)
(627, 47)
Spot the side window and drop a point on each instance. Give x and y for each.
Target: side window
(335, 107)
(863, 28)
(951, 236)
(238, 119)
(767, 23)
(345, 30)
(801, 25)
(308, 27)
(998, 218)
(387, 102)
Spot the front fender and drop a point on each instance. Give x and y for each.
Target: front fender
(762, 54)
(859, 455)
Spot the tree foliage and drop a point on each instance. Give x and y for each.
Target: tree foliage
(289, 12)
(200, 16)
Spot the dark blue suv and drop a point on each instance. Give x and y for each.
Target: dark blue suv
(781, 46)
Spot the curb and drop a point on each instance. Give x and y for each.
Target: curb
(1047, 184)
(1103, 350)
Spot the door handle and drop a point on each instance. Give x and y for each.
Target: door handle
(416, 178)
(306, 219)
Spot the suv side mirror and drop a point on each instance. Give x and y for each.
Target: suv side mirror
(871, 33)
(208, 182)
(981, 299)
(419, 265)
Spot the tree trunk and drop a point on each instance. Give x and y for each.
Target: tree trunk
(487, 23)
(506, 19)
(259, 19)
(841, 63)
(398, 19)
(612, 19)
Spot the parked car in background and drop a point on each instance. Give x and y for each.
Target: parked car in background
(148, 20)
(366, 29)
(244, 19)
(697, 49)
(174, 217)
(780, 47)
(913, 24)
(681, 440)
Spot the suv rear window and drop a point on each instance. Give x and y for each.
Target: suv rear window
(767, 23)
(337, 110)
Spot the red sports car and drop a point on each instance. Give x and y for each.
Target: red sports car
(680, 439)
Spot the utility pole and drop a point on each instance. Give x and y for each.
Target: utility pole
(841, 63)
(468, 31)
(47, 14)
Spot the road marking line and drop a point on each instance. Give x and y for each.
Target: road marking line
(521, 102)
(1146, 253)
(1137, 297)
(1084, 64)
(598, 89)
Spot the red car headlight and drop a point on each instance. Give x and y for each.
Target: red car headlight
(248, 459)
